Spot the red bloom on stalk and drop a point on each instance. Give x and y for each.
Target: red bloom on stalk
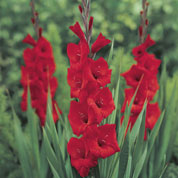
(100, 42)
(87, 78)
(77, 54)
(78, 31)
(149, 62)
(149, 41)
(29, 40)
(37, 74)
(138, 101)
(149, 80)
(138, 51)
(81, 159)
(98, 71)
(152, 114)
(75, 81)
(102, 103)
(29, 56)
(43, 48)
(101, 141)
(80, 117)
(90, 89)
(134, 75)
(142, 76)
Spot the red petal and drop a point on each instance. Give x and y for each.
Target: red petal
(102, 140)
(29, 40)
(75, 81)
(80, 117)
(149, 62)
(78, 31)
(98, 71)
(152, 115)
(134, 75)
(43, 48)
(102, 103)
(138, 51)
(29, 57)
(73, 52)
(100, 42)
(149, 41)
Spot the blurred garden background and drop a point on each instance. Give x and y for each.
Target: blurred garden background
(116, 19)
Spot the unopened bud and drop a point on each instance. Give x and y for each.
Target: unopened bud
(40, 31)
(36, 13)
(90, 23)
(146, 22)
(140, 31)
(80, 9)
(33, 20)
(141, 12)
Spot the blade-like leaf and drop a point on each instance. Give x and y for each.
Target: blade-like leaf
(124, 157)
(129, 166)
(140, 163)
(55, 174)
(111, 52)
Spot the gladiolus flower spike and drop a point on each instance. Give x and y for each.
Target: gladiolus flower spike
(37, 74)
(144, 75)
(88, 79)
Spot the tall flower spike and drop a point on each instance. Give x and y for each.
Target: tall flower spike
(38, 73)
(147, 69)
(88, 79)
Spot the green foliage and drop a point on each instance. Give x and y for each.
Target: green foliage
(8, 155)
(171, 171)
(134, 155)
(175, 148)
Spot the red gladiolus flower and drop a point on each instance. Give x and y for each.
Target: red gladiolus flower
(43, 48)
(90, 88)
(29, 40)
(138, 101)
(138, 51)
(29, 57)
(149, 41)
(81, 159)
(37, 74)
(77, 54)
(80, 117)
(134, 75)
(152, 115)
(98, 71)
(101, 141)
(78, 31)
(100, 42)
(73, 52)
(102, 103)
(149, 62)
(75, 81)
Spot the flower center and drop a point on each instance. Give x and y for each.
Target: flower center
(101, 142)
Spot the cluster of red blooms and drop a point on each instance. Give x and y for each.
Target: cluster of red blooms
(38, 75)
(144, 76)
(93, 102)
